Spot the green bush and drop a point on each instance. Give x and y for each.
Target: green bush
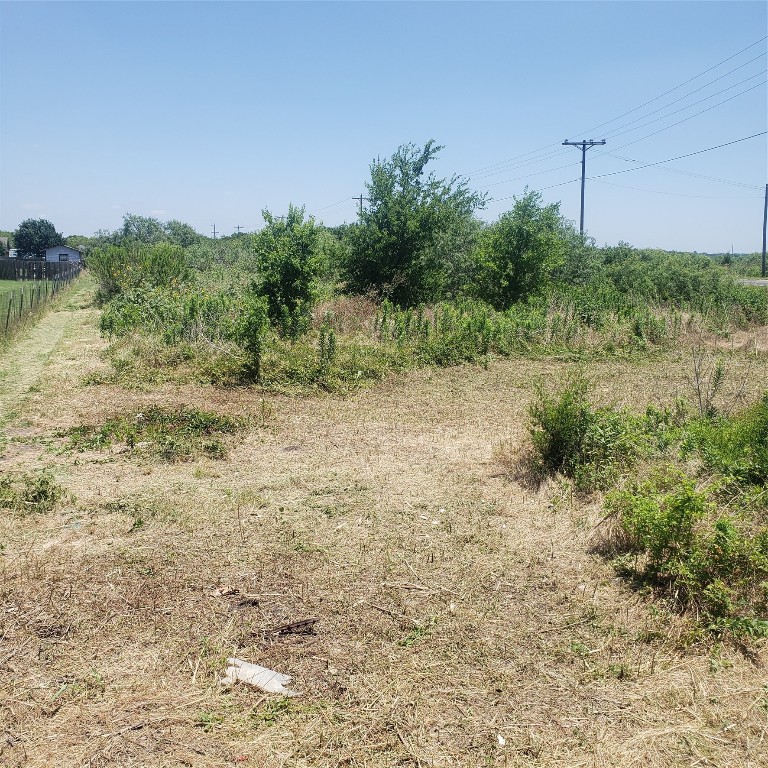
(709, 562)
(658, 516)
(288, 265)
(518, 254)
(737, 446)
(250, 332)
(120, 268)
(590, 445)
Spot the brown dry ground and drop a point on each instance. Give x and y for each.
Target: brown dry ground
(464, 618)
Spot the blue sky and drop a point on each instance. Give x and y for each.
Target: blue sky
(210, 112)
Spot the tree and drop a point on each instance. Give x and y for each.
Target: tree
(35, 235)
(287, 257)
(413, 230)
(179, 233)
(142, 229)
(518, 254)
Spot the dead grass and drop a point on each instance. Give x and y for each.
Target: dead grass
(462, 616)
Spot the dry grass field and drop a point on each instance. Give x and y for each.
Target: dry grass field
(464, 616)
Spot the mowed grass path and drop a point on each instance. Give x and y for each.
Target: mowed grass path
(464, 616)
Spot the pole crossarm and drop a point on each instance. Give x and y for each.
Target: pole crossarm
(583, 145)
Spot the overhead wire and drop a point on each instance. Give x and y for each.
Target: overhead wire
(671, 90)
(619, 132)
(689, 173)
(679, 157)
(677, 194)
(648, 165)
(486, 171)
(540, 154)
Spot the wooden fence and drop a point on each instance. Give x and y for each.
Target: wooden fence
(36, 269)
(19, 304)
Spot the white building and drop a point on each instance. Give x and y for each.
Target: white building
(63, 253)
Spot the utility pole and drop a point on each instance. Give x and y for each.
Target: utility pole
(584, 145)
(765, 221)
(360, 198)
(238, 228)
(214, 231)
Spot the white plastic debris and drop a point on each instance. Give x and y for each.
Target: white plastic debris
(265, 679)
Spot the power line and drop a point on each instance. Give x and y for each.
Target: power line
(516, 166)
(680, 157)
(538, 189)
(527, 176)
(648, 165)
(677, 194)
(619, 132)
(483, 169)
(671, 90)
(690, 117)
(696, 90)
(333, 205)
(688, 173)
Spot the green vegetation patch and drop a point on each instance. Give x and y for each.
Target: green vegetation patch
(170, 434)
(29, 492)
(693, 549)
(737, 447)
(590, 445)
(689, 499)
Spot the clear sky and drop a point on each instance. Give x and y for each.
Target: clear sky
(209, 112)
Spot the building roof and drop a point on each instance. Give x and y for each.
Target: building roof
(68, 247)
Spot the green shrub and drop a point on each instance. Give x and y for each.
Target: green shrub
(590, 445)
(708, 562)
(288, 265)
(250, 332)
(737, 446)
(658, 516)
(121, 268)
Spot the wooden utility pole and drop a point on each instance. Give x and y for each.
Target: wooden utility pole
(765, 221)
(214, 231)
(238, 228)
(584, 145)
(360, 198)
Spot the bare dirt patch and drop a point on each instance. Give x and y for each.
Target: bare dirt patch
(462, 617)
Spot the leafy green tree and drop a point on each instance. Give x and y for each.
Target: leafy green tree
(413, 230)
(142, 229)
(517, 255)
(179, 233)
(287, 257)
(35, 235)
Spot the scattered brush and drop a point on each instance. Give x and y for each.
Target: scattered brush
(29, 492)
(170, 434)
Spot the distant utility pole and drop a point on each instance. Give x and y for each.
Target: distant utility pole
(765, 221)
(584, 145)
(214, 231)
(238, 228)
(361, 198)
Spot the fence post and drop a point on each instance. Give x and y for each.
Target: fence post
(8, 316)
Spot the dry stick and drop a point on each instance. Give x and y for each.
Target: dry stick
(393, 614)
(567, 626)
